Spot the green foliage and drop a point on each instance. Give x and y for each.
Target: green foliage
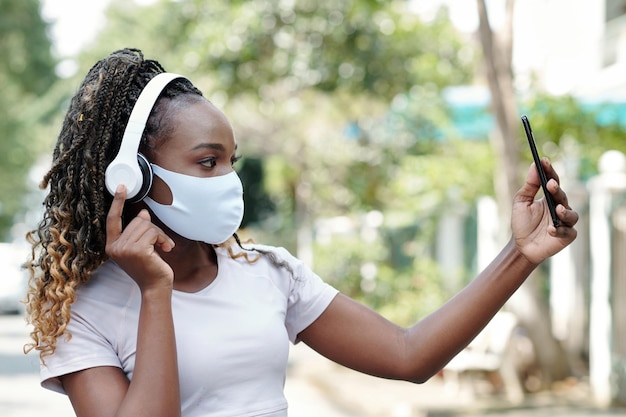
(361, 270)
(26, 61)
(567, 128)
(26, 73)
(252, 174)
(340, 260)
(455, 172)
(407, 283)
(411, 293)
(292, 75)
(257, 45)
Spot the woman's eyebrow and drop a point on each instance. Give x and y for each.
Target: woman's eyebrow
(216, 146)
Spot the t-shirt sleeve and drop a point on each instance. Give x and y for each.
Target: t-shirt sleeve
(309, 296)
(93, 326)
(86, 348)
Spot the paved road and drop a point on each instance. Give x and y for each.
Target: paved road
(365, 396)
(315, 388)
(20, 394)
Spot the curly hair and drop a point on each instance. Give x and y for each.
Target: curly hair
(69, 242)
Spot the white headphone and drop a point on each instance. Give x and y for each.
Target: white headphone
(130, 167)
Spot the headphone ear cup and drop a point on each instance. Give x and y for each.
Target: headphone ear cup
(146, 175)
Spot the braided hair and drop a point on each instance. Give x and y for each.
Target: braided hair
(69, 242)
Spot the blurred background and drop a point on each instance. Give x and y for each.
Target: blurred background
(382, 144)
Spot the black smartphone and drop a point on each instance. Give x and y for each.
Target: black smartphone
(542, 174)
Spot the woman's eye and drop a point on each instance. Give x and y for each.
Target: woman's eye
(209, 162)
(234, 159)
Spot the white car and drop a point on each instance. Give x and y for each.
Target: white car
(13, 278)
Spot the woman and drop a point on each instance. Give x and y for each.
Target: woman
(152, 307)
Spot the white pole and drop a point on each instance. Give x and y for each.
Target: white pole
(612, 179)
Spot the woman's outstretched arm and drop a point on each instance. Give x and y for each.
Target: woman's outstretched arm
(356, 336)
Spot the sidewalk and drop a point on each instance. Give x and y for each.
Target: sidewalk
(365, 396)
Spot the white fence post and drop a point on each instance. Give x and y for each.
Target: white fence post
(569, 269)
(610, 181)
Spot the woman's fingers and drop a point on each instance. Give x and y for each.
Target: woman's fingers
(549, 170)
(114, 216)
(567, 216)
(140, 233)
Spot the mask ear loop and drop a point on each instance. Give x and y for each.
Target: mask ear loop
(128, 166)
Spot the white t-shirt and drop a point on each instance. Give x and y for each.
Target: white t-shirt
(232, 337)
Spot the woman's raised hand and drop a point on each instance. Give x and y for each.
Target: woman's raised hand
(534, 233)
(134, 248)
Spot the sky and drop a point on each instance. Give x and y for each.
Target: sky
(74, 23)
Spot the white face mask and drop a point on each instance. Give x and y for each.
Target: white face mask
(205, 209)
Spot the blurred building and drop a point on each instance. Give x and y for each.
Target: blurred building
(572, 47)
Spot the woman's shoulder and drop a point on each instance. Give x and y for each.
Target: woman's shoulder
(108, 283)
(258, 254)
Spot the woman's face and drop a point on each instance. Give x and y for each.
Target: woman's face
(201, 143)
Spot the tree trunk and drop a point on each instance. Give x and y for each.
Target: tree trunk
(497, 54)
(528, 303)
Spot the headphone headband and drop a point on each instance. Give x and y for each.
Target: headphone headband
(125, 168)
